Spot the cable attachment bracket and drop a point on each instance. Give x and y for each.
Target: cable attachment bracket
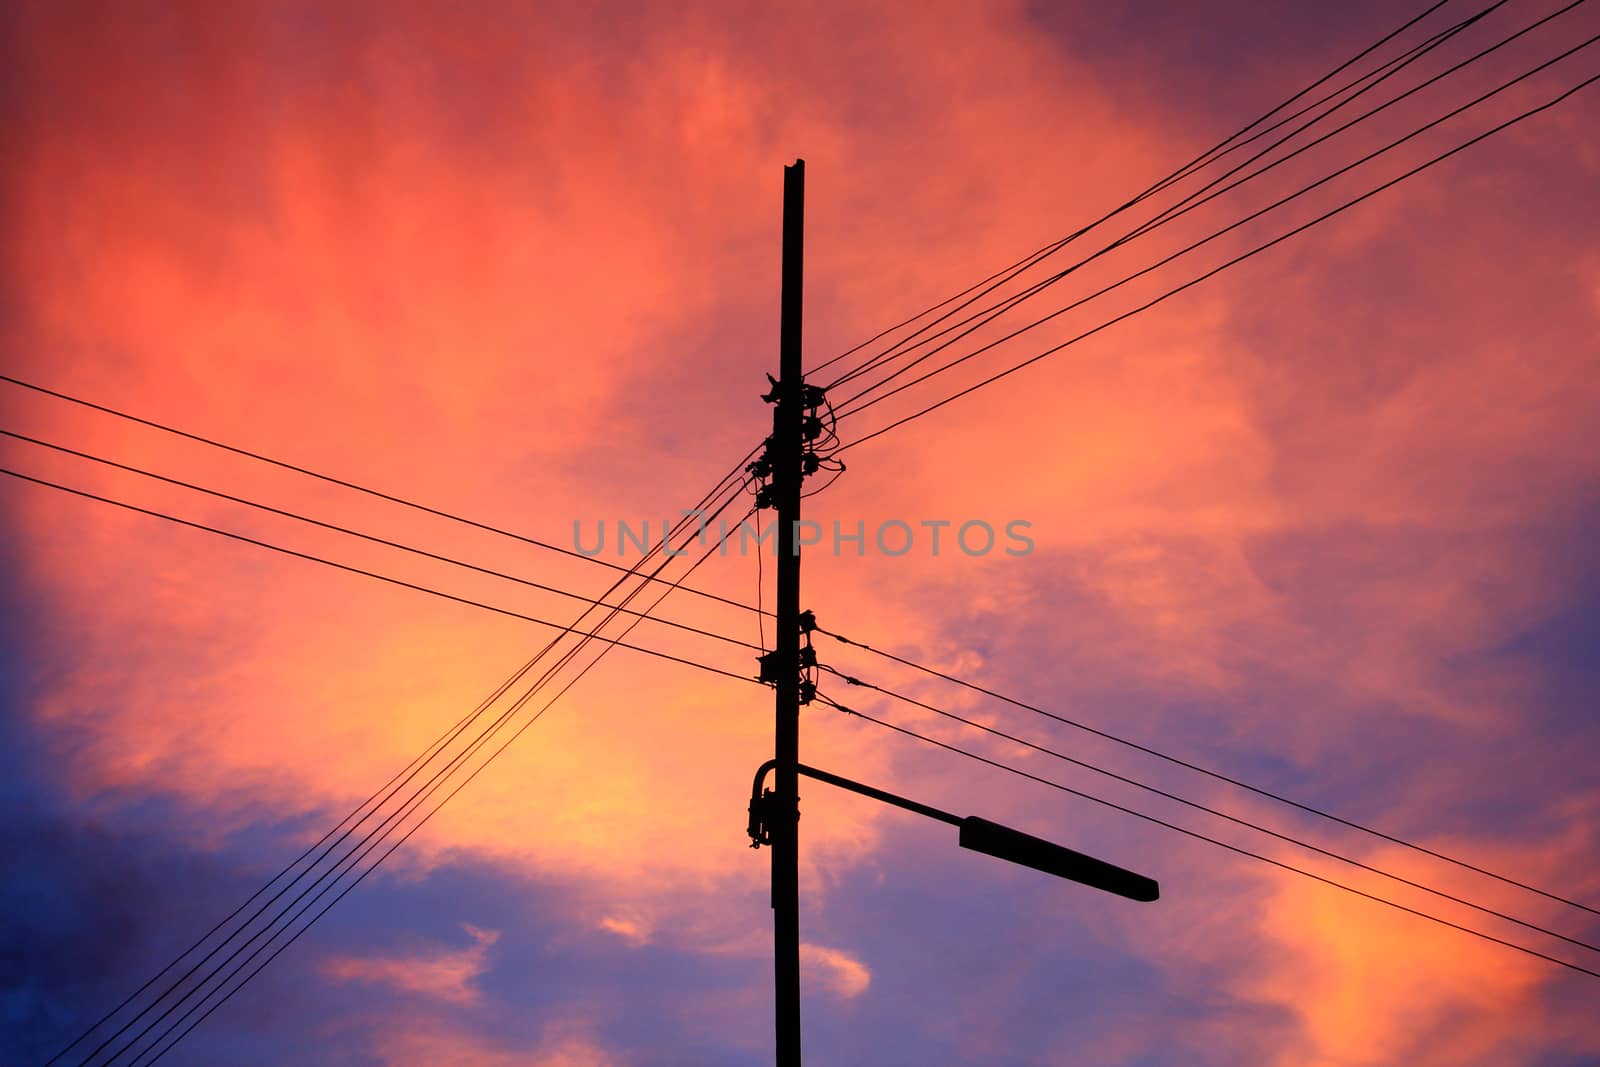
(769, 667)
(771, 671)
(808, 666)
(764, 808)
(760, 826)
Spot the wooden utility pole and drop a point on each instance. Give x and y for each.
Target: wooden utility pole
(787, 455)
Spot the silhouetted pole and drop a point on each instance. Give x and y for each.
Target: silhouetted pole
(787, 449)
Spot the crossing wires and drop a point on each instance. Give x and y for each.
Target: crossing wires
(860, 401)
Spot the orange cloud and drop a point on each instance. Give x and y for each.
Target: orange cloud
(541, 291)
(1369, 985)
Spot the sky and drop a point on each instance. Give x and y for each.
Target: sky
(1322, 523)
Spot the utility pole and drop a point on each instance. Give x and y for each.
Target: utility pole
(787, 455)
(791, 455)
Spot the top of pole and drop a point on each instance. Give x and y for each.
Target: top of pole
(794, 214)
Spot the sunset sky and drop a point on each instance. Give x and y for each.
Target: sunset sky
(1323, 523)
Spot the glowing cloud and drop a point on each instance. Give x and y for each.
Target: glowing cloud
(441, 973)
(834, 970)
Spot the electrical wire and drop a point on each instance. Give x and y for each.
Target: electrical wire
(1224, 266)
(434, 784)
(1159, 186)
(426, 753)
(353, 570)
(1208, 772)
(1378, 75)
(408, 777)
(375, 493)
(829, 634)
(824, 485)
(761, 625)
(437, 746)
(434, 512)
(295, 936)
(384, 830)
(1209, 840)
(1174, 210)
(990, 314)
(353, 533)
(1236, 820)
(1190, 202)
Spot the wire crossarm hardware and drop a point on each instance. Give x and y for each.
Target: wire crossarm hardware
(978, 835)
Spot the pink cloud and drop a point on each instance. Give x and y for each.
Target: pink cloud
(834, 970)
(439, 973)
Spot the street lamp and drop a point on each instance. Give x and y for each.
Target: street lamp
(979, 835)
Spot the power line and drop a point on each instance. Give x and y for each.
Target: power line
(1224, 266)
(329, 877)
(354, 570)
(1208, 772)
(375, 493)
(355, 533)
(1209, 840)
(318, 560)
(1167, 216)
(627, 572)
(490, 732)
(427, 756)
(433, 750)
(1190, 203)
(1173, 212)
(761, 627)
(627, 611)
(251, 899)
(295, 936)
(381, 830)
(384, 829)
(1213, 156)
(1007, 273)
(639, 618)
(1236, 820)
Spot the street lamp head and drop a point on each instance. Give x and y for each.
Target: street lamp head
(1014, 846)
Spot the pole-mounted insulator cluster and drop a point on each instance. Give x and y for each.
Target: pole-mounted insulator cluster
(808, 661)
(817, 431)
